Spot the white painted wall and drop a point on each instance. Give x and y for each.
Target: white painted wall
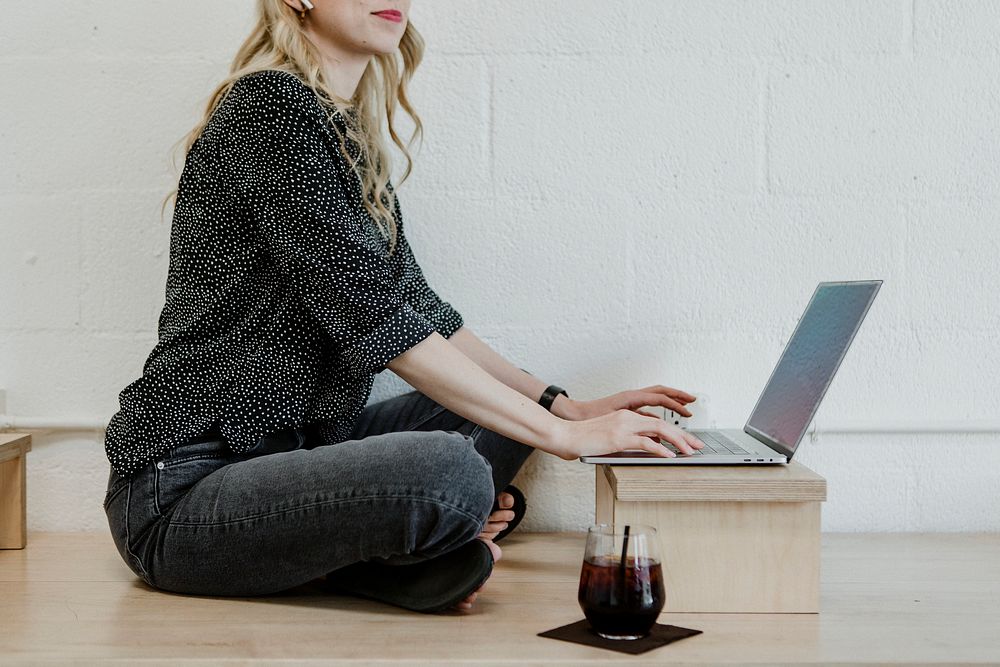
(633, 193)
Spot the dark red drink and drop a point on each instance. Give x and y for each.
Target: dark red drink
(619, 606)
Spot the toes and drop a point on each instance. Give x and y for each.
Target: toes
(467, 602)
(469, 599)
(502, 515)
(506, 500)
(495, 526)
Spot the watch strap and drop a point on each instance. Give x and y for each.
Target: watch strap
(549, 395)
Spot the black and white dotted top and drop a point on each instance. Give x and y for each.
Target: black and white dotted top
(282, 302)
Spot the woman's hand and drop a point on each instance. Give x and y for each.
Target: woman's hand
(620, 430)
(668, 397)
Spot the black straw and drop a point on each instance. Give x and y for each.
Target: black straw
(624, 556)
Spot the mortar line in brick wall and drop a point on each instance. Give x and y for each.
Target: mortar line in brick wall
(78, 287)
(490, 125)
(913, 29)
(764, 133)
(906, 211)
(630, 277)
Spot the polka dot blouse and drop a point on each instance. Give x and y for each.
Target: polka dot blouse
(282, 302)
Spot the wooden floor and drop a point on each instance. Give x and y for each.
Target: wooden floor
(909, 598)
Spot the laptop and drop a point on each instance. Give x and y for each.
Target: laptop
(792, 394)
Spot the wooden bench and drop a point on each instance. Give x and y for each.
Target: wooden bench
(14, 448)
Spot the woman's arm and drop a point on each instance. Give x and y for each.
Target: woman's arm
(444, 373)
(489, 360)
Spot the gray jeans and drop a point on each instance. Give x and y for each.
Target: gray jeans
(414, 481)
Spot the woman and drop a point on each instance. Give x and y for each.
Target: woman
(244, 460)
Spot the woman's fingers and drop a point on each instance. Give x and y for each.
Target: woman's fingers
(690, 440)
(695, 442)
(635, 430)
(652, 446)
(681, 396)
(653, 398)
(671, 434)
(678, 441)
(658, 429)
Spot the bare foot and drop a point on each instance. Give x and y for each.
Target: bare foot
(496, 522)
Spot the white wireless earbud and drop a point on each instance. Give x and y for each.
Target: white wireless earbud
(308, 4)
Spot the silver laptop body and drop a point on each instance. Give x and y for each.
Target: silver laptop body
(792, 394)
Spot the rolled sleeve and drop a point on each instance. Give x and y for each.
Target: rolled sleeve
(442, 315)
(279, 161)
(404, 329)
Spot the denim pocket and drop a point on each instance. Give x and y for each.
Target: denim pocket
(183, 467)
(116, 484)
(116, 508)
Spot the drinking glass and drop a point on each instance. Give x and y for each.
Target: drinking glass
(621, 582)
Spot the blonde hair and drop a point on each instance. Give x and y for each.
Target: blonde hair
(278, 42)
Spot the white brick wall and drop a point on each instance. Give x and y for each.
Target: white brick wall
(635, 193)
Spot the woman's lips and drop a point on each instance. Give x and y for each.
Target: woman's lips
(389, 15)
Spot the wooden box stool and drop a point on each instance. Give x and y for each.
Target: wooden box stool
(14, 448)
(732, 538)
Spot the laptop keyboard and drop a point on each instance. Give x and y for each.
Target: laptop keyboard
(715, 443)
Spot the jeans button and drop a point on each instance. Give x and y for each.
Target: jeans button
(159, 465)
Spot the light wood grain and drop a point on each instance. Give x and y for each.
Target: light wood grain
(771, 483)
(735, 557)
(746, 548)
(14, 444)
(13, 490)
(886, 599)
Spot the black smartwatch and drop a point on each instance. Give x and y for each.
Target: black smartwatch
(549, 395)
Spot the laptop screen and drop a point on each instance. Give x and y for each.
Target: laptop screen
(810, 360)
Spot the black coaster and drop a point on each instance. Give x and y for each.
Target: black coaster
(581, 633)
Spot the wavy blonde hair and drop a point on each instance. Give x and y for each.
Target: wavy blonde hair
(278, 42)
